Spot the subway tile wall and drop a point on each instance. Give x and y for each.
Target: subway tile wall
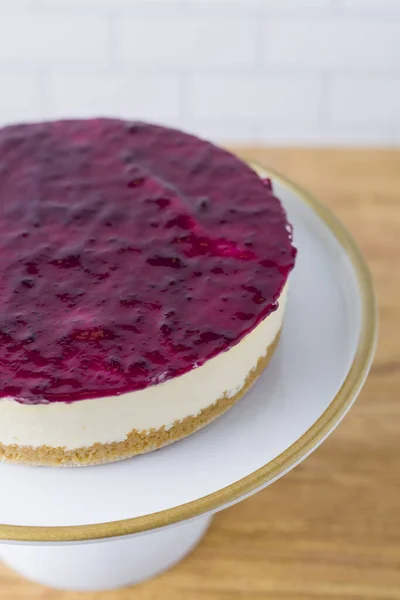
(290, 72)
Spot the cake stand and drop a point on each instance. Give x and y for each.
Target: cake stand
(114, 525)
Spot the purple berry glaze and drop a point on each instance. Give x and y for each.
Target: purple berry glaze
(129, 254)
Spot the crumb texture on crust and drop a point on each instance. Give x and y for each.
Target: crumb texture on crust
(136, 442)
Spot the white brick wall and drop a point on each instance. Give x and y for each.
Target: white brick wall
(266, 71)
(338, 43)
(365, 100)
(174, 41)
(20, 97)
(269, 98)
(152, 97)
(41, 40)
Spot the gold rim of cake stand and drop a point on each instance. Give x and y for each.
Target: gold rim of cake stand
(274, 468)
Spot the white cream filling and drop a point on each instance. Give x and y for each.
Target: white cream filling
(110, 419)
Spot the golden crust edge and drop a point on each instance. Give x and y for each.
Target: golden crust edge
(136, 442)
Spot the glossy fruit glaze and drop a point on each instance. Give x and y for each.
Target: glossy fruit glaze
(129, 254)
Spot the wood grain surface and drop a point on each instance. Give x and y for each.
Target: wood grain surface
(331, 528)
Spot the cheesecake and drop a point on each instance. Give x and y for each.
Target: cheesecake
(143, 283)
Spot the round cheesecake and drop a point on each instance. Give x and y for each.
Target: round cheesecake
(143, 282)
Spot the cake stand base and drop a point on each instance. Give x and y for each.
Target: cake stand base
(107, 564)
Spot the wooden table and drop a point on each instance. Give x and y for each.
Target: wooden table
(331, 528)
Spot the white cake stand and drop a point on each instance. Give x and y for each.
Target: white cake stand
(104, 527)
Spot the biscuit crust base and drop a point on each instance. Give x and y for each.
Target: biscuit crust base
(136, 442)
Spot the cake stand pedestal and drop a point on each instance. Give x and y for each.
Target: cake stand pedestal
(114, 525)
(106, 565)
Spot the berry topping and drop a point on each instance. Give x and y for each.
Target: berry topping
(129, 254)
